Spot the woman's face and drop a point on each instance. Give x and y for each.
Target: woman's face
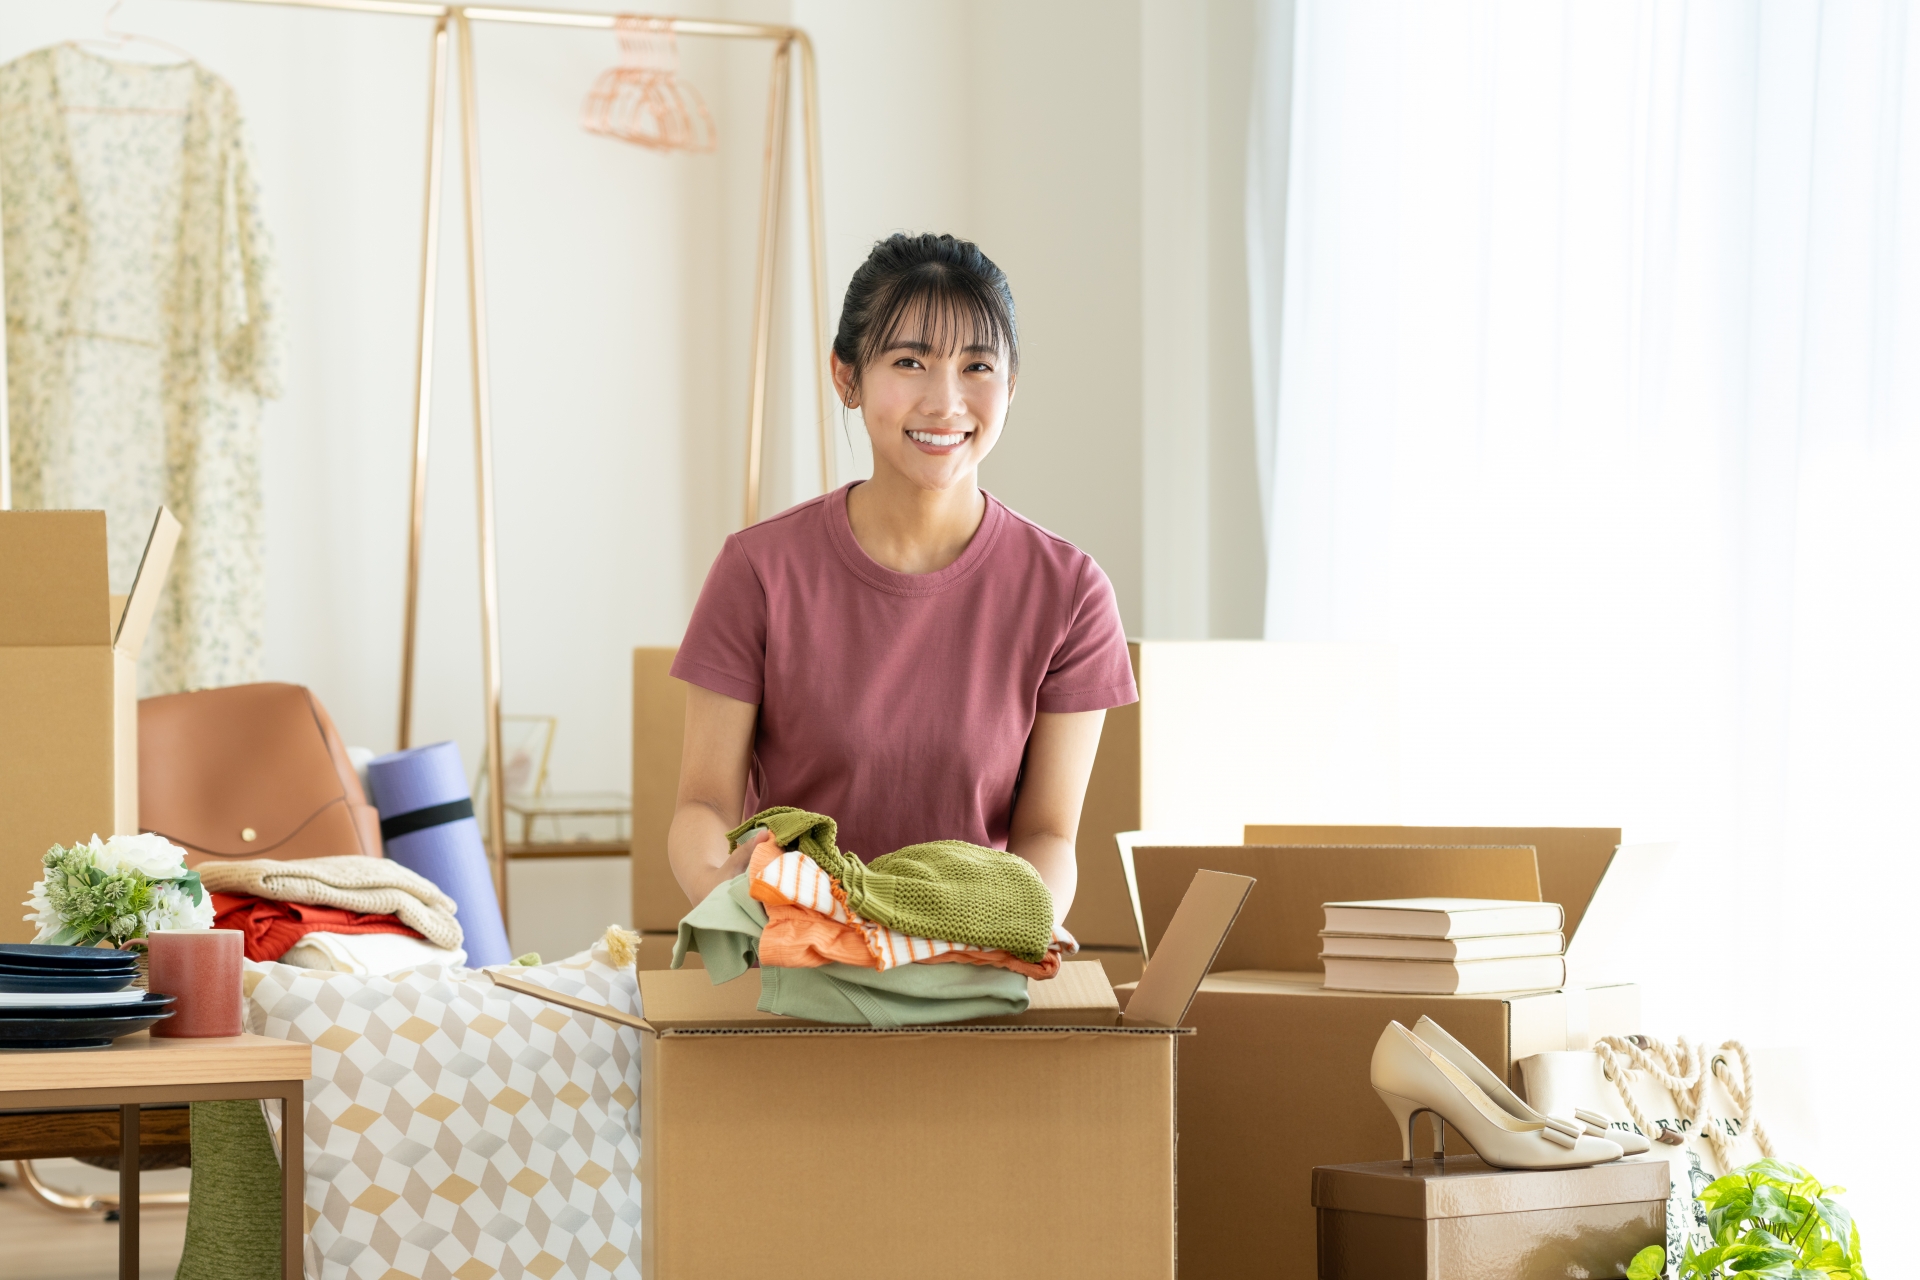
(932, 415)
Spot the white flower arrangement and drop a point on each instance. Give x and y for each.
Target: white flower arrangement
(116, 891)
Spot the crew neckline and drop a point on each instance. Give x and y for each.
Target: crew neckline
(875, 574)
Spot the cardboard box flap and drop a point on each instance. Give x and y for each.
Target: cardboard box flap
(53, 578)
(1128, 841)
(1187, 949)
(502, 978)
(1619, 938)
(1281, 928)
(1079, 996)
(1571, 859)
(144, 596)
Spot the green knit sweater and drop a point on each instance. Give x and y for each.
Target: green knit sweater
(944, 889)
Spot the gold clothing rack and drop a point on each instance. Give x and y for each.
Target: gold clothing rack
(458, 20)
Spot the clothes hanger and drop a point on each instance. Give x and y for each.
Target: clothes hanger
(643, 100)
(118, 42)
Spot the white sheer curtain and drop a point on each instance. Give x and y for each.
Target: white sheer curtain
(1590, 379)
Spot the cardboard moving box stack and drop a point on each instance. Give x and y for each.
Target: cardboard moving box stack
(1277, 1080)
(69, 670)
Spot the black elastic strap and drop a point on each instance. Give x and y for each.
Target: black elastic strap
(401, 824)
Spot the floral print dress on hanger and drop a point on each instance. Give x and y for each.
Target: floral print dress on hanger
(141, 334)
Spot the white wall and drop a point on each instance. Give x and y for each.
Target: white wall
(1099, 171)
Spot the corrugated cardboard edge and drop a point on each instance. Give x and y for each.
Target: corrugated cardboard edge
(610, 1014)
(148, 580)
(1187, 949)
(522, 987)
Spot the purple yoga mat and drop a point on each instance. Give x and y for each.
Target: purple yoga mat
(426, 819)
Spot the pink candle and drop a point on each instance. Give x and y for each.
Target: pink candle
(200, 969)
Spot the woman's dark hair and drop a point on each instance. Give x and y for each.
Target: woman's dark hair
(946, 284)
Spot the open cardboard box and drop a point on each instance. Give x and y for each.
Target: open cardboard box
(1277, 1081)
(954, 1141)
(69, 669)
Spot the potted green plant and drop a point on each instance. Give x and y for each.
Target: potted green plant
(1769, 1221)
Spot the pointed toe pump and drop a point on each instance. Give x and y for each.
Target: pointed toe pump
(1435, 1037)
(1411, 1077)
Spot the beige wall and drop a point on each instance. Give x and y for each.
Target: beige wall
(1095, 149)
(1092, 147)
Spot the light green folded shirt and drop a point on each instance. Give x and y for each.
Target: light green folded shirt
(725, 930)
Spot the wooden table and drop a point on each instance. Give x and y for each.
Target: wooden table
(137, 1069)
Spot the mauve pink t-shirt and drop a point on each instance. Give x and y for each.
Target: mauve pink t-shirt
(900, 704)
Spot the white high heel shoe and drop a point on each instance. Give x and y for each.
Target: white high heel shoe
(1435, 1037)
(1411, 1077)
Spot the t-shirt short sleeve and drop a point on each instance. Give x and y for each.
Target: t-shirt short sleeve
(725, 648)
(1090, 670)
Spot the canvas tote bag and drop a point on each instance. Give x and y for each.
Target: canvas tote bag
(1695, 1102)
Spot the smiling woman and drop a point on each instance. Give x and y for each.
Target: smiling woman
(904, 653)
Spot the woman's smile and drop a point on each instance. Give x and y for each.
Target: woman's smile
(939, 442)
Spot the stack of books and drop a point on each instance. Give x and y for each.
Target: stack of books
(1443, 946)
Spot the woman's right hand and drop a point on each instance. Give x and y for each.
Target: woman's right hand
(713, 780)
(734, 864)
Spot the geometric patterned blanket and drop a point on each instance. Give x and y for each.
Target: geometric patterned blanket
(458, 1131)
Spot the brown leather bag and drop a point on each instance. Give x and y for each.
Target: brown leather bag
(251, 771)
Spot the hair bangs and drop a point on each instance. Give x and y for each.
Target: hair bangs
(941, 311)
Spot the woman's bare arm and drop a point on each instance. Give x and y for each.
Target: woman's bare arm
(715, 754)
(1046, 818)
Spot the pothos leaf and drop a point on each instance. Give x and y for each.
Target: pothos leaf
(1648, 1264)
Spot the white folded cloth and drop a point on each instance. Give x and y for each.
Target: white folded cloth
(368, 953)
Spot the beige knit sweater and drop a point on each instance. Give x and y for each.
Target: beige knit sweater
(372, 886)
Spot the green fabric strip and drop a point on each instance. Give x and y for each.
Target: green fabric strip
(233, 1213)
(944, 889)
(905, 996)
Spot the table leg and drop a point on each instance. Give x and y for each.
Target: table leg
(130, 1192)
(293, 1179)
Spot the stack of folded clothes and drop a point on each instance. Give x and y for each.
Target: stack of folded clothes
(352, 914)
(934, 932)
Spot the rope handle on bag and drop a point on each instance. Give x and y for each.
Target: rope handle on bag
(1685, 1070)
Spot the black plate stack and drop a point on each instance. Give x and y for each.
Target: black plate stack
(71, 997)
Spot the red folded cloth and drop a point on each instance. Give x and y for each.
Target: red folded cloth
(272, 928)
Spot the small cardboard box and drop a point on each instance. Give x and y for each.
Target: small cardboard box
(1460, 1219)
(659, 723)
(758, 1132)
(1228, 732)
(69, 710)
(1277, 1082)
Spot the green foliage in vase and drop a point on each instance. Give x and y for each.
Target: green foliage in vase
(1775, 1221)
